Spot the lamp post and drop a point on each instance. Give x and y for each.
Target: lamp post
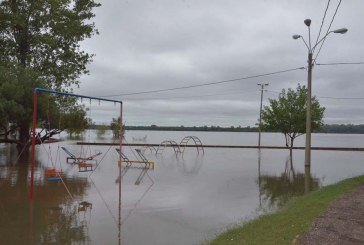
(260, 111)
(311, 50)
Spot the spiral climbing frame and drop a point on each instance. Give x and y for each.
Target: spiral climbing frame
(197, 142)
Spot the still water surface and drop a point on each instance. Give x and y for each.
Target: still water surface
(184, 200)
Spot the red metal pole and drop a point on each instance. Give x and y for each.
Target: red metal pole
(121, 135)
(31, 192)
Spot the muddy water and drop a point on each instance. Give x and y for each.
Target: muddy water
(183, 200)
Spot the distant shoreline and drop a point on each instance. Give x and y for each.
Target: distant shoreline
(332, 128)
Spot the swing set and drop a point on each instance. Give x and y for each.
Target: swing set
(83, 161)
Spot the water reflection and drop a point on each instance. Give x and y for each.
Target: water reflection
(188, 164)
(165, 208)
(276, 191)
(53, 215)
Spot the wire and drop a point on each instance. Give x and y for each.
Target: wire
(205, 84)
(328, 29)
(341, 63)
(342, 98)
(323, 20)
(191, 96)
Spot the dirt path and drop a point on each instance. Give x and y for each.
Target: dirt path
(342, 223)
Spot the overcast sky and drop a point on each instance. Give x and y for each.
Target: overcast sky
(151, 45)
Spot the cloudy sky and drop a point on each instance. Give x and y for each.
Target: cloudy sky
(204, 58)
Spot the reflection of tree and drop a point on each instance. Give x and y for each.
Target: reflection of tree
(62, 226)
(50, 219)
(278, 190)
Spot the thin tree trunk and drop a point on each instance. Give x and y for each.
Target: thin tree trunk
(24, 135)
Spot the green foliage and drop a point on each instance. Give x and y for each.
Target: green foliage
(44, 35)
(16, 97)
(75, 121)
(115, 127)
(287, 114)
(39, 41)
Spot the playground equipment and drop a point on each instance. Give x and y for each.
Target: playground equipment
(53, 174)
(83, 162)
(76, 159)
(129, 164)
(84, 166)
(180, 148)
(170, 143)
(195, 139)
(147, 164)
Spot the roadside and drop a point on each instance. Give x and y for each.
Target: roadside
(331, 215)
(341, 223)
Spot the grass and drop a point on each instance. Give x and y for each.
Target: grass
(290, 222)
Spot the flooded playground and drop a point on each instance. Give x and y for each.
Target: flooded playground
(184, 198)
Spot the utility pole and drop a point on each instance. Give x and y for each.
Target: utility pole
(262, 85)
(311, 51)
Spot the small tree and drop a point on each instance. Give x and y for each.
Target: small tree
(75, 121)
(287, 114)
(115, 127)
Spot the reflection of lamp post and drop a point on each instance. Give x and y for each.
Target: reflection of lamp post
(311, 51)
(260, 111)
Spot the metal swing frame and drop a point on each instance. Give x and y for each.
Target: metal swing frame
(36, 91)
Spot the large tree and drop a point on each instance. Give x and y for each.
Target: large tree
(40, 47)
(287, 114)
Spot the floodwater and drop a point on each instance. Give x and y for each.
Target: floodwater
(185, 199)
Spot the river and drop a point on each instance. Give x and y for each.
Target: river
(186, 199)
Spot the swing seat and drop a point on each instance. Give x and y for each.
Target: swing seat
(53, 174)
(85, 167)
(74, 158)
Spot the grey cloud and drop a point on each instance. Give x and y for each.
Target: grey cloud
(152, 45)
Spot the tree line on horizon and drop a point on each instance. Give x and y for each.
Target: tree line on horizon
(326, 128)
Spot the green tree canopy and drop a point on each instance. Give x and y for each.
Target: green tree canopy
(287, 114)
(115, 127)
(40, 41)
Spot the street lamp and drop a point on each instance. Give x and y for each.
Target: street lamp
(310, 61)
(260, 111)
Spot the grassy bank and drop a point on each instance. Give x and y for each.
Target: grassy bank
(284, 226)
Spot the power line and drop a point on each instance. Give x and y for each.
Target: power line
(341, 98)
(323, 20)
(340, 63)
(191, 96)
(333, 17)
(205, 84)
(328, 29)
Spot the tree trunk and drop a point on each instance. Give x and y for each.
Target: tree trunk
(24, 135)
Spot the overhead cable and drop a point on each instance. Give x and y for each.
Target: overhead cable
(340, 63)
(323, 20)
(205, 84)
(328, 29)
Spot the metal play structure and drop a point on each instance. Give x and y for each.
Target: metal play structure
(180, 148)
(170, 143)
(85, 166)
(144, 165)
(195, 139)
